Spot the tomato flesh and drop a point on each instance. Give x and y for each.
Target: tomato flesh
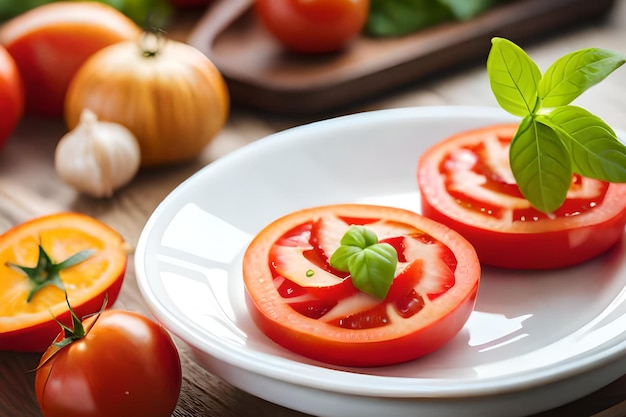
(297, 299)
(29, 325)
(466, 183)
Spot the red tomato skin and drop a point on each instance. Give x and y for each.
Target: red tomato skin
(37, 338)
(542, 245)
(126, 366)
(11, 95)
(313, 26)
(49, 44)
(359, 354)
(551, 250)
(327, 343)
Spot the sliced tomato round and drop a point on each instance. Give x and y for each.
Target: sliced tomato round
(29, 325)
(296, 298)
(466, 182)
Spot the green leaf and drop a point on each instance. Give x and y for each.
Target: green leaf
(513, 77)
(541, 165)
(595, 150)
(468, 9)
(372, 265)
(46, 272)
(373, 269)
(402, 17)
(572, 74)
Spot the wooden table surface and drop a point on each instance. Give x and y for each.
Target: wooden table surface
(29, 187)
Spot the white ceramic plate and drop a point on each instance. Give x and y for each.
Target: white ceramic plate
(536, 340)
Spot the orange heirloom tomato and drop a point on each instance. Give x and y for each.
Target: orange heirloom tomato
(124, 366)
(313, 26)
(29, 325)
(466, 183)
(11, 95)
(50, 42)
(298, 300)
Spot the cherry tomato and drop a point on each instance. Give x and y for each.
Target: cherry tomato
(27, 325)
(11, 96)
(313, 26)
(466, 183)
(300, 302)
(125, 366)
(50, 42)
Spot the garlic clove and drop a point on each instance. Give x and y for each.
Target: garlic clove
(97, 157)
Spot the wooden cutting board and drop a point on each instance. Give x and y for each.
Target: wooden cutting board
(263, 75)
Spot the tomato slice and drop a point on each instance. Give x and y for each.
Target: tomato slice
(466, 183)
(29, 326)
(301, 303)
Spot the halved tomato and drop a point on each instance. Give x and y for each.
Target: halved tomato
(298, 300)
(29, 325)
(466, 183)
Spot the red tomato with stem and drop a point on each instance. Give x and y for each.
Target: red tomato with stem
(298, 300)
(466, 183)
(124, 366)
(11, 95)
(313, 26)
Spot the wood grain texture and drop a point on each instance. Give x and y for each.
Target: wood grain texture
(29, 187)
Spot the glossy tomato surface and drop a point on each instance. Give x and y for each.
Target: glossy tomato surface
(126, 366)
(11, 96)
(313, 26)
(303, 304)
(466, 183)
(50, 42)
(29, 325)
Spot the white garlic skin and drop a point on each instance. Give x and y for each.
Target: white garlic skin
(97, 157)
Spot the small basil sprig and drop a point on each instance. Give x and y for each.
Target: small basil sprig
(372, 265)
(555, 139)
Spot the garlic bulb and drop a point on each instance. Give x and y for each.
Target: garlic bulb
(97, 157)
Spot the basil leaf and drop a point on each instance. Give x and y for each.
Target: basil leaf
(541, 165)
(340, 259)
(595, 150)
(513, 77)
(372, 265)
(371, 268)
(359, 236)
(401, 17)
(468, 9)
(572, 74)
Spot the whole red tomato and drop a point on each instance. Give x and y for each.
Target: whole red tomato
(125, 366)
(298, 300)
(466, 183)
(11, 95)
(313, 26)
